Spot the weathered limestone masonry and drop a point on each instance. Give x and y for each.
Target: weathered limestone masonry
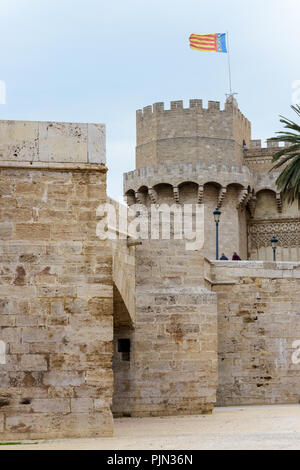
(170, 366)
(75, 309)
(175, 348)
(258, 322)
(173, 354)
(56, 306)
(124, 277)
(206, 157)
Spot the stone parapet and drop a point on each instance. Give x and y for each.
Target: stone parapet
(178, 173)
(284, 269)
(195, 106)
(259, 158)
(57, 142)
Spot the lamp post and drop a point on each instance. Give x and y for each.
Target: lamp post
(217, 215)
(274, 242)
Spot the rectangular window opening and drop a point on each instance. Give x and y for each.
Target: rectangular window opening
(124, 348)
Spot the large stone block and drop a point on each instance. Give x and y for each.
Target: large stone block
(33, 231)
(25, 141)
(33, 362)
(64, 379)
(58, 425)
(62, 142)
(96, 143)
(19, 140)
(51, 405)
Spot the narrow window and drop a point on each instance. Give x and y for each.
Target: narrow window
(124, 348)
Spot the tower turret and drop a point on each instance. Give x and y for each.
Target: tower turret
(196, 155)
(193, 134)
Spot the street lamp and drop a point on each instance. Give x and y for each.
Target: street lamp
(274, 242)
(217, 215)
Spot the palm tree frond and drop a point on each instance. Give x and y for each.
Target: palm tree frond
(283, 161)
(288, 182)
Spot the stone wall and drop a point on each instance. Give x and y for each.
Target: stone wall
(124, 278)
(123, 257)
(123, 380)
(173, 343)
(259, 158)
(56, 307)
(258, 322)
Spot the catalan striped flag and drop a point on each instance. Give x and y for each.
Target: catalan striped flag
(208, 42)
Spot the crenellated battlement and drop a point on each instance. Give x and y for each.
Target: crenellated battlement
(193, 133)
(177, 173)
(183, 168)
(257, 145)
(195, 106)
(259, 158)
(199, 144)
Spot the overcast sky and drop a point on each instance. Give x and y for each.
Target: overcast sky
(99, 61)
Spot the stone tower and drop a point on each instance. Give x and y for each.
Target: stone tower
(188, 156)
(195, 155)
(183, 157)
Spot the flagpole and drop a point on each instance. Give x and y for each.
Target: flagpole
(229, 65)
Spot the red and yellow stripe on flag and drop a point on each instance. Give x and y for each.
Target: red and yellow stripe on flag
(204, 42)
(209, 42)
